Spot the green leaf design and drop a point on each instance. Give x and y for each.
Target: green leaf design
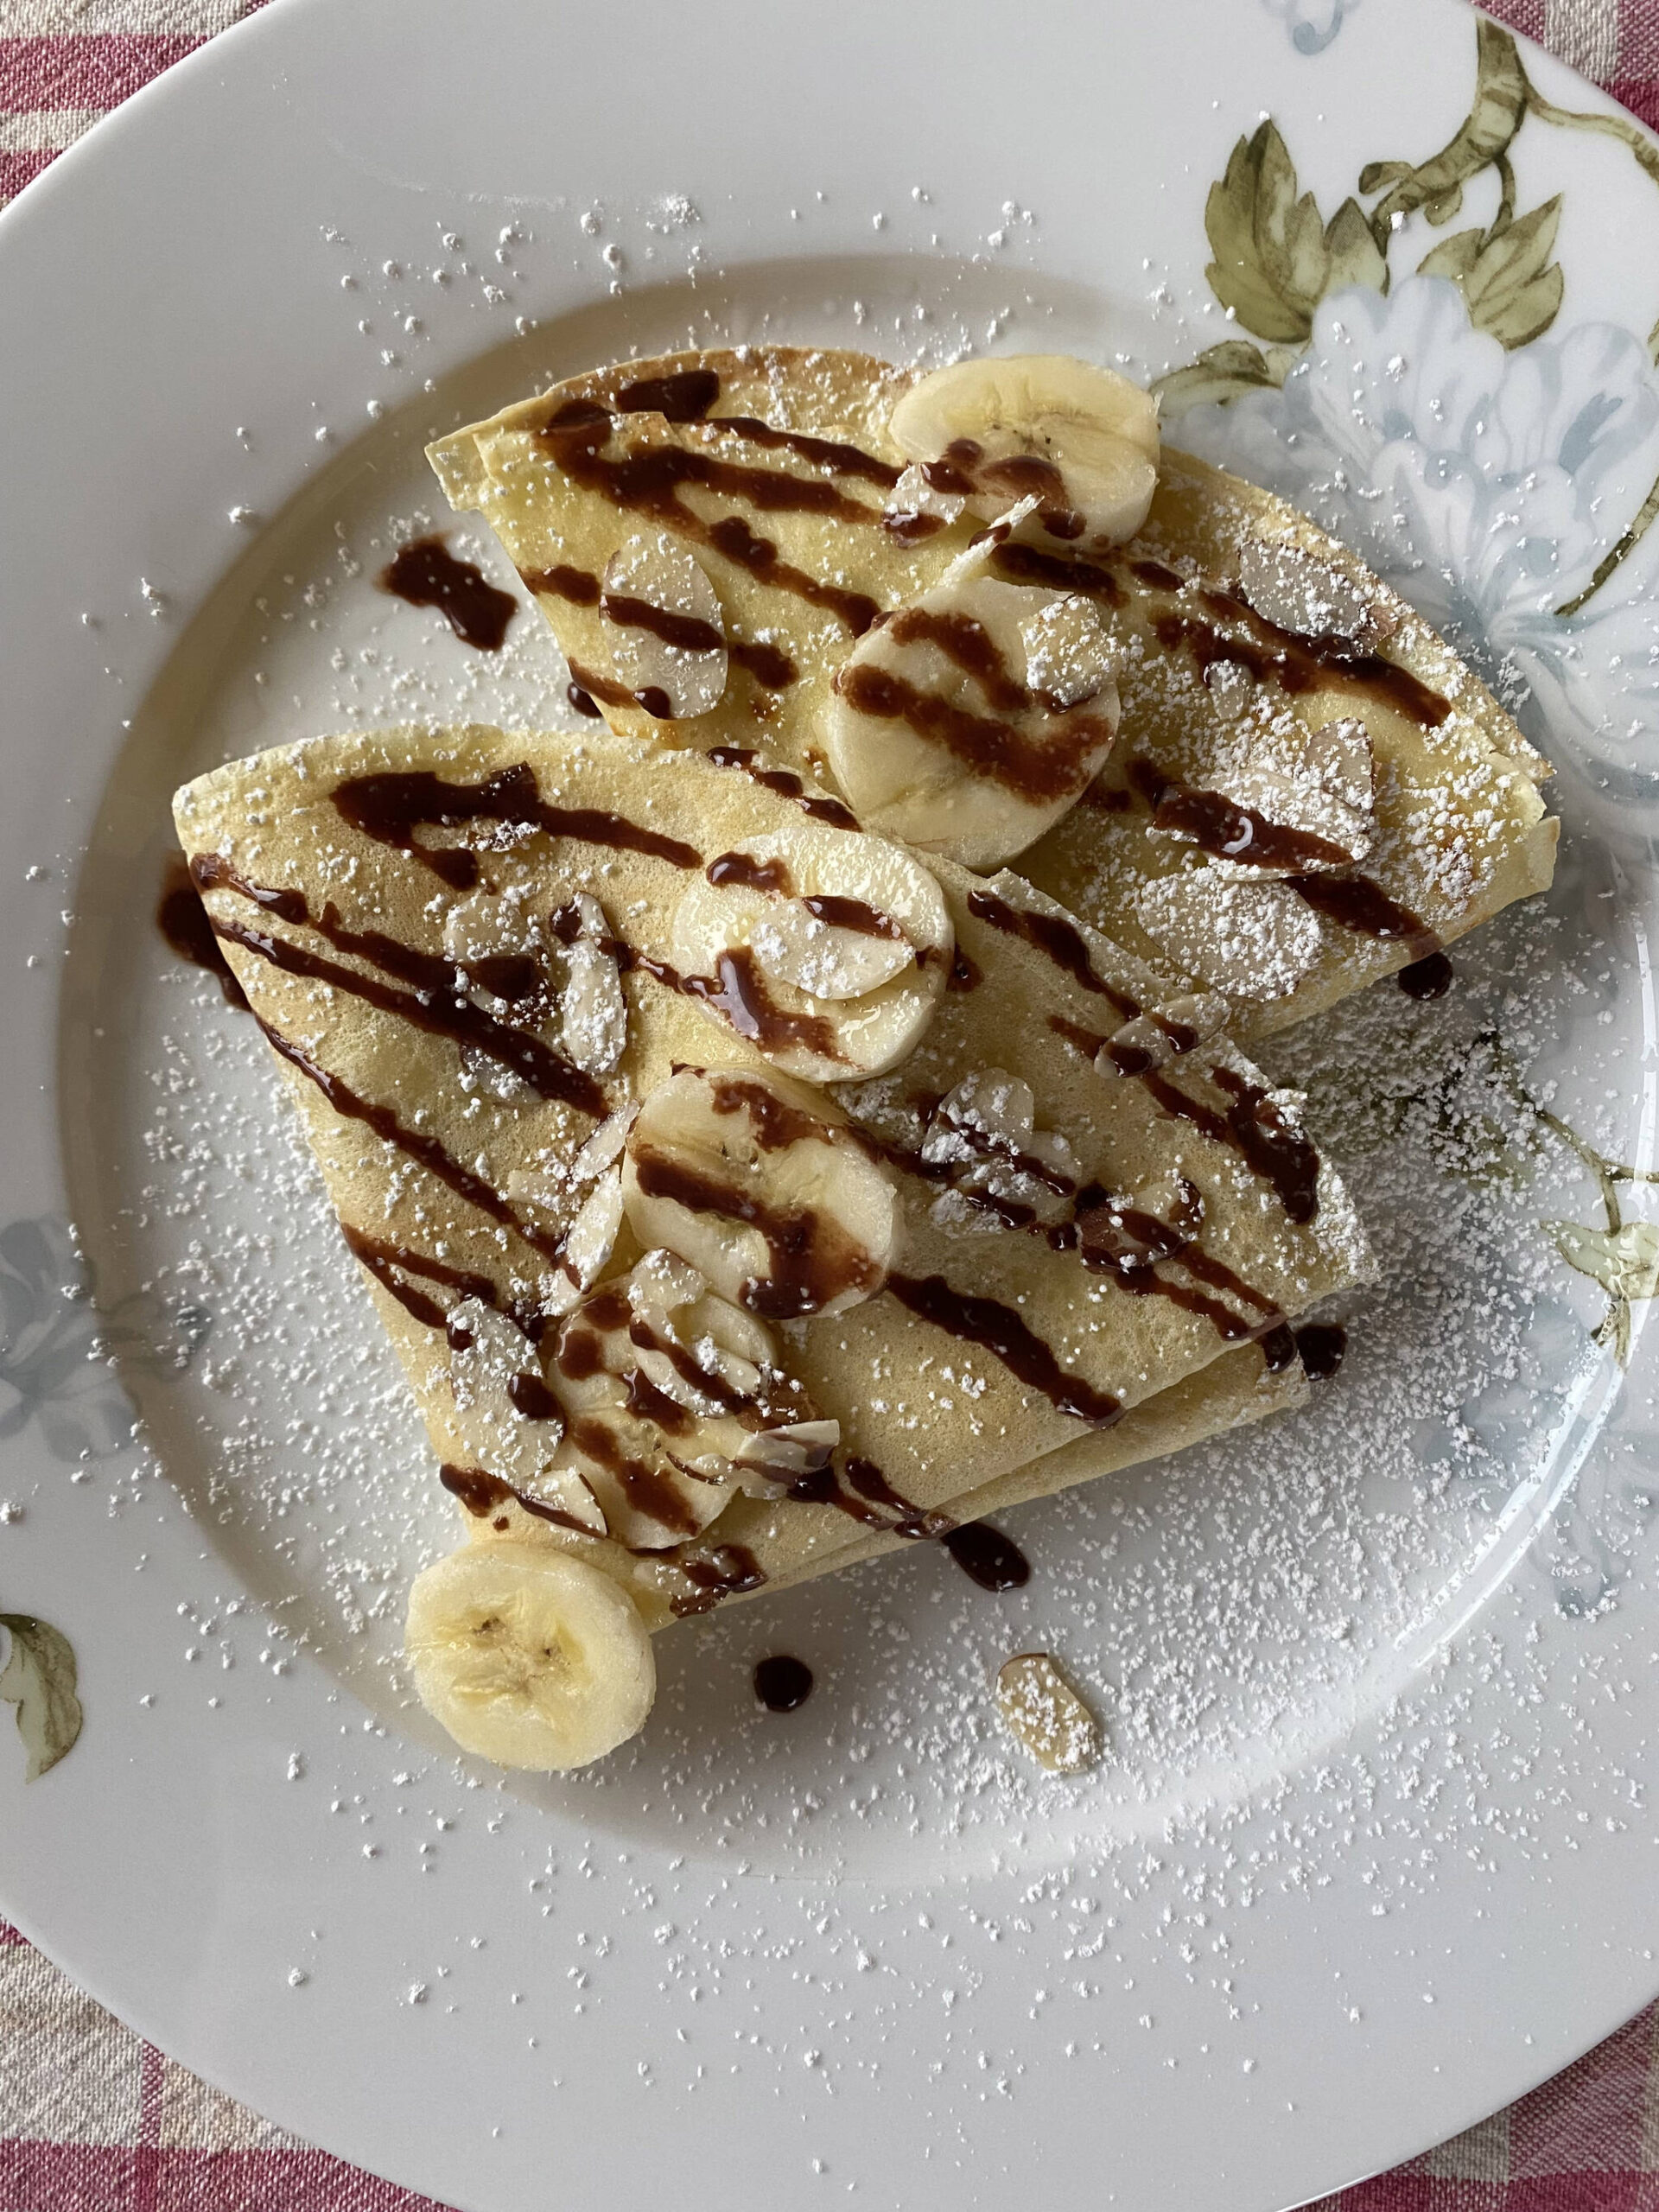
(1264, 239)
(1275, 259)
(1495, 115)
(1453, 258)
(1624, 1262)
(1352, 254)
(1223, 373)
(40, 1680)
(1513, 290)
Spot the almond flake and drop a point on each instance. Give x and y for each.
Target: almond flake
(1041, 1711)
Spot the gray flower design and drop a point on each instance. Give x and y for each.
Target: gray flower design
(1311, 24)
(56, 1345)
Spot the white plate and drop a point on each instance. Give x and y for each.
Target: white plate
(1369, 1854)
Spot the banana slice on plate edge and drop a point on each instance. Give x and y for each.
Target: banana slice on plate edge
(528, 1656)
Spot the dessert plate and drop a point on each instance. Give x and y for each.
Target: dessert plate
(1367, 1855)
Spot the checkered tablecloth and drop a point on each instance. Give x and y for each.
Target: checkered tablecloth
(94, 2120)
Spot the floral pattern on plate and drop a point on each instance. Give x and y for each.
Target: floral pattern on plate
(55, 1348)
(1500, 477)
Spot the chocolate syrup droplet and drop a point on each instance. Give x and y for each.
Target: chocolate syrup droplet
(988, 1557)
(1321, 1346)
(782, 1683)
(1426, 979)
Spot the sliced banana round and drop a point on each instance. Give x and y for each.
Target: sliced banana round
(976, 715)
(529, 1656)
(763, 1188)
(825, 949)
(1081, 440)
(668, 636)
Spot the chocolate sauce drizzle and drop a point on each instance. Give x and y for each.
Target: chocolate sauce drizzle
(1002, 1332)
(690, 633)
(811, 1259)
(1233, 832)
(683, 395)
(1220, 825)
(419, 1147)
(651, 483)
(1254, 1126)
(1428, 978)
(817, 806)
(442, 1009)
(649, 698)
(483, 1494)
(390, 808)
(726, 1571)
(388, 1263)
(1321, 1346)
(1353, 902)
(833, 910)
(769, 664)
(1050, 767)
(182, 920)
(1060, 940)
(742, 868)
(687, 395)
(737, 990)
(425, 573)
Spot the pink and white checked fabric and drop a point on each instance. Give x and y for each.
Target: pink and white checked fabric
(94, 2120)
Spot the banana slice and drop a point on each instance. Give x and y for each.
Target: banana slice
(976, 715)
(827, 949)
(1081, 440)
(528, 1656)
(762, 1188)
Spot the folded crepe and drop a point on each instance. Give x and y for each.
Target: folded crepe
(1307, 790)
(742, 1195)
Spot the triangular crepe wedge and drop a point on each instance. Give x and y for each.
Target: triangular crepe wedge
(775, 469)
(463, 946)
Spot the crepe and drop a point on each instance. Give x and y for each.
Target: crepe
(449, 1125)
(776, 467)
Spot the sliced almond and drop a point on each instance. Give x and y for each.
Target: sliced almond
(984, 1133)
(1152, 1222)
(768, 1464)
(594, 1013)
(1254, 940)
(1300, 593)
(1285, 801)
(668, 636)
(1042, 1711)
(916, 508)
